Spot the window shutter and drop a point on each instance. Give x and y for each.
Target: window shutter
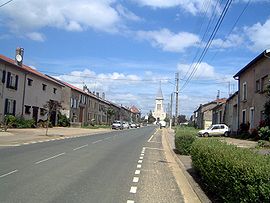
(6, 106)
(8, 79)
(14, 107)
(4, 76)
(16, 82)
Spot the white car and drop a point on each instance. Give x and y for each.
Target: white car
(125, 125)
(215, 130)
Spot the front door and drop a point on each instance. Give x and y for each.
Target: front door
(81, 115)
(35, 114)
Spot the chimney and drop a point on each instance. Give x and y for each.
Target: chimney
(97, 94)
(103, 95)
(19, 56)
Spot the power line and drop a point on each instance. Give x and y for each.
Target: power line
(6, 3)
(218, 24)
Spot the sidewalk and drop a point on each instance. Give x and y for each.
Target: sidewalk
(17, 137)
(185, 164)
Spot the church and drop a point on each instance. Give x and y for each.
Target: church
(159, 113)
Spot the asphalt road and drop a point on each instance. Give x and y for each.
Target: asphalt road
(120, 166)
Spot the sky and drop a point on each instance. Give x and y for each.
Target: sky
(126, 49)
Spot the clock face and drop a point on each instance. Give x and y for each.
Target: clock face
(19, 58)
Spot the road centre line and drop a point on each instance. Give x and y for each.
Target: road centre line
(4, 175)
(80, 147)
(52, 157)
(97, 141)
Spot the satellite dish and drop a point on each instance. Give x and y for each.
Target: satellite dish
(19, 58)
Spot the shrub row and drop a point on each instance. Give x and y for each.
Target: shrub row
(184, 137)
(234, 174)
(19, 122)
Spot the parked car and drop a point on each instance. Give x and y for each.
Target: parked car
(133, 125)
(117, 125)
(215, 130)
(162, 124)
(125, 125)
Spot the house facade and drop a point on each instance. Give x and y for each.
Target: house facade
(25, 91)
(253, 80)
(231, 113)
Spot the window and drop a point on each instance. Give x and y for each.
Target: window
(244, 91)
(4, 76)
(27, 109)
(54, 90)
(244, 116)
(264, 83)
(29, 82)
(10, 106)
(44, 87)
(222, 127)
(12, 81)
(43, 112)
(257, 86)
(251, 119)
(216, 127)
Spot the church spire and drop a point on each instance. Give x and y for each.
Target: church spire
(159, 93)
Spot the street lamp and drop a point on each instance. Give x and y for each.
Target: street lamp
(267, 53)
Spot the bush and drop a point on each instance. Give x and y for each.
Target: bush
(234, 174)
(63, 120)
(184, 137)
(264, 133)
(23, 123)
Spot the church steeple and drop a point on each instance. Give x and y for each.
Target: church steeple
(159, 93)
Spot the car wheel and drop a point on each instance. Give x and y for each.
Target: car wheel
(206, 134)
(226, 134)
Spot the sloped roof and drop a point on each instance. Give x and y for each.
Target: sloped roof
(27, 69)
(134, 109)
(159, 93)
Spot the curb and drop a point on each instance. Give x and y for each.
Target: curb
(194, 185)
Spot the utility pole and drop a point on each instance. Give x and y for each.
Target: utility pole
(171, 109)
(176, 94)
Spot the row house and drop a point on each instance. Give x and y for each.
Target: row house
(253, 80)
(203, 116)
(135, 114)
(25, 91)
(231, 113)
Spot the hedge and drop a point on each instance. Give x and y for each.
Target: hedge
(184, 137)
(233, 174)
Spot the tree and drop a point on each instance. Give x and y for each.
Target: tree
(51, 106)
(151, 118)
(110, 113)
(181, 119)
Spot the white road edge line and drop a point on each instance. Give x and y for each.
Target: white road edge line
(150, 138)
(137, 172)
(140, 161)
(141, 157)
(52, 157)
(133, 190)
(135, 179)
(80, 147)
(155, 148)
(97, 141)
(130, 201)
(4, 175)
(139, 165)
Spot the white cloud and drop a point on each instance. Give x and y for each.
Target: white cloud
(233, 40)
(36, 36)
(169, 41)
(192, 6)
(259, 35)
(204, 70)
(29, 16)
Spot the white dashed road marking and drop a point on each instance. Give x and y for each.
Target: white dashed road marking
(133, 190)
(139, 166)
(135, 179)
(137, 172)
(80, 147)
(141, 157)
(97, 141)
(38, 162)
(154, 148)
(130, 201)
(140, 161)
(4, 175)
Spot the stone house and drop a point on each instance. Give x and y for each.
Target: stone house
(253, 80)
(231, 113)
(25, 91)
